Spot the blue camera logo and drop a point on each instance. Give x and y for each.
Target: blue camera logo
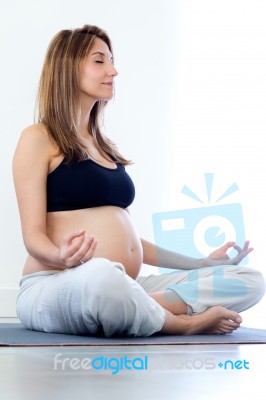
(199, 231)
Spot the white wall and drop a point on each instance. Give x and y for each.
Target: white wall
(190, 99)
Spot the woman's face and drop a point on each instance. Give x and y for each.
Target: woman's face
(97, 73)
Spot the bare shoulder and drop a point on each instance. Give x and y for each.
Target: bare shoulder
(36, 133)
(36, 138)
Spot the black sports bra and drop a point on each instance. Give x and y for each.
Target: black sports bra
(86, 184)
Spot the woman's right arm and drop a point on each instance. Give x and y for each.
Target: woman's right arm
(30, 169)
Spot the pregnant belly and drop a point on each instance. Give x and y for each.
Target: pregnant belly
(112, 226)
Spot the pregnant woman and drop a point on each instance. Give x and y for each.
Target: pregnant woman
(84, 255)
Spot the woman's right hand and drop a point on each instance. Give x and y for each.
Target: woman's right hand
(77, 248)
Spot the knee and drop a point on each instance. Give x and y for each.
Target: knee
(111, 301)
(109, 281)
(257, 285)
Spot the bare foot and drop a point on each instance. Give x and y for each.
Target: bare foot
(221, 320)
(214, 320)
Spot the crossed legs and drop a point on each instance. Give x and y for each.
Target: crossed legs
(99, 297)
(214, 297)
(216, 319)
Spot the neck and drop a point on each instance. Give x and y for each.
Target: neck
(86, 107)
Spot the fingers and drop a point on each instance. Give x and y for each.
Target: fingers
(86, 250)
(221, 252)
(242, 252)
(245, 249)
(77, 247)
(91, 250)
(69, 238)
(227, 246)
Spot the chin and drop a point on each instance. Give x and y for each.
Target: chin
(106, 98)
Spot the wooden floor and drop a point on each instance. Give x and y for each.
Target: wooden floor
(190, 372)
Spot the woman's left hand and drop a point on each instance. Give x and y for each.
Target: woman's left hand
(220, 255)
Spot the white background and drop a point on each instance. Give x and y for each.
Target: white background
(190, 99)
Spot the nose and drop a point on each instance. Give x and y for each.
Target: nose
(112, 70)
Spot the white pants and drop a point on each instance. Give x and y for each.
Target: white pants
(98, 297)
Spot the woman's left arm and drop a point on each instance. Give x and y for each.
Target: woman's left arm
(158, 256)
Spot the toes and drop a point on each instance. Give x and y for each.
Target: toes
(230, 325)
(224, 331)
(219, 332)
(235, 318)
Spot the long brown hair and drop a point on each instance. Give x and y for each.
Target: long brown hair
(58, 104)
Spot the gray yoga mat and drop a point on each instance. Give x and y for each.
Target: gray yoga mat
(14, 334)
